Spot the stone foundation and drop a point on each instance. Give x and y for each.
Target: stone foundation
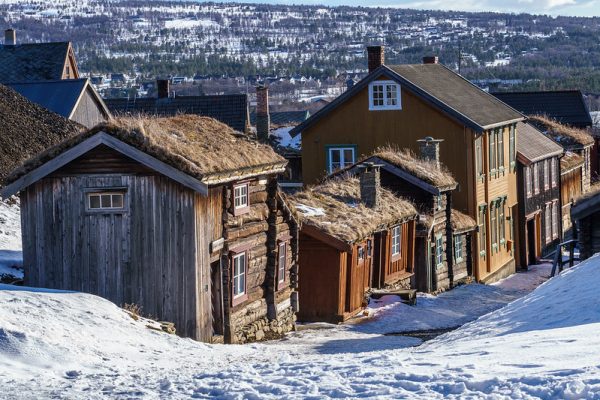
(252, 325)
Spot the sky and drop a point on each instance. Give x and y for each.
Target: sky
(586, 8)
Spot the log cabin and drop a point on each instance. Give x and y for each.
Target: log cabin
(538, 174)
(399, 104)
(571, 187)
(353, 233)
(443, 256)
(180, 215)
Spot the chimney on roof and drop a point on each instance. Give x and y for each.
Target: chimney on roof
(163, 87)
(370, 184)
(430, 60)
(375, 57)
(430, 149)
(263, 117)
(10, 37)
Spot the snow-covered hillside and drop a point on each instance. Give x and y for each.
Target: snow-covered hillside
(543, 345)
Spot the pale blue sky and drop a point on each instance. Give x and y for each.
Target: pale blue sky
(587, 8)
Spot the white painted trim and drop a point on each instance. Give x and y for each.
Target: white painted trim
(398, 106)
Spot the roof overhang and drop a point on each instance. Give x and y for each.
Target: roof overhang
(102, 138)
(585, 207)
(318, 234)
(528, 161)
(103, 108)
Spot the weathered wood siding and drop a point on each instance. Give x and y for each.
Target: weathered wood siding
(147, 255)
(88, 112)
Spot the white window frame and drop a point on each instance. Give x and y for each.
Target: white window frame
(343, 162)
(553, 171)
(396, 240)
(528, 183)
(239, 274)
(458, 248)
(281, 266)
(536, 178)
(244, 198)
(546, 175)
(385, 85)
(548, 222)
(555, 219)
(103, 194)
(439, 250)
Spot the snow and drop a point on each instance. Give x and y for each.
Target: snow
(542, 345)
(285, 139)
(309, 211)
(11, 256)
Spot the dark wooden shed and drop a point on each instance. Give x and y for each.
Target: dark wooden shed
(353, 233)
(179, 215)
(585, 213)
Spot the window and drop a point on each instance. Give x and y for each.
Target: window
(482, 230)
(501, 222)
(458, 248)
(369, 248)
(384, 95)
(106, 201)
(492, 152)
(528, 181)
(439, 250)
(438, 202)
(479, 156)
(494, 225)
(361, 254)
(281, 264)
(547, 222)
(340, 157)
(239, 264)
(555, 219)
(241, 204)
(511, 147)
(546, 176)
(553, 170)
(536, 178)
(500, 145)
(396, 240)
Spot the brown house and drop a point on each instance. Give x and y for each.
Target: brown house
(354, 235)
(571, 187)
(538, 174)
(403, 103)
(33, 62)
(180, 216)
(585, 214)
(443, 256)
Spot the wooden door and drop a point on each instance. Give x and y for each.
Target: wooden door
(217, 297)
(359, 268)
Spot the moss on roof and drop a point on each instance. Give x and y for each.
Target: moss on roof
(335, 208)
(570, 160)
(201, 147)
(564, 135)
(26, 129)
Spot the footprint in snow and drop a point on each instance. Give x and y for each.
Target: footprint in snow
(72, 374)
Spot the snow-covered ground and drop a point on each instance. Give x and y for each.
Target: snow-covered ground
(542, 345)
(10, 240)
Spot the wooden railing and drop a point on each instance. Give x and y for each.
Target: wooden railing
(558, 262)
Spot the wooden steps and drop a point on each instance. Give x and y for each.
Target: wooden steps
(408, 296)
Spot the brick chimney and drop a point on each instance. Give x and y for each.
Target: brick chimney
(430, 60)
(370, 184)
(10, 37)
(163, 87)
(263, 117)
(375, 57)
(430, 149)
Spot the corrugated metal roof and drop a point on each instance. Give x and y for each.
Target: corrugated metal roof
(533, 145)
(33, 61)
(565, 106)
(59, 96)
(228, 109)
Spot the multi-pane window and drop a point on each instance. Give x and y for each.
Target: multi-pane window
(494, 225)
(501, 224)
(106, 201)
(528, 181)
(479, 155)
(396, 240)
(458, 248)
(547, 222)
(240, 199)
(555, 219)
(361, 253)
(553, 170)
(438, 202)
(239, 275)
(340, 157)
(546, 176)
(439, 250)
(511, 146)
(492, 151)
(536, 178)
(384, 95)
(500, 145)
(281, 263)
(482, 230)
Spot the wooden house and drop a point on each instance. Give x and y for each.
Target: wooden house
(33, 62)
(399, 104)
(231, 109)
(585, 214)
(538, 174)
(74, 99)
(353, 233)
(179, 215)
(443, 250)
(26, 129)
(571, 187)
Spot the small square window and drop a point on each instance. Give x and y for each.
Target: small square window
(241, 203)
(384, 95)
